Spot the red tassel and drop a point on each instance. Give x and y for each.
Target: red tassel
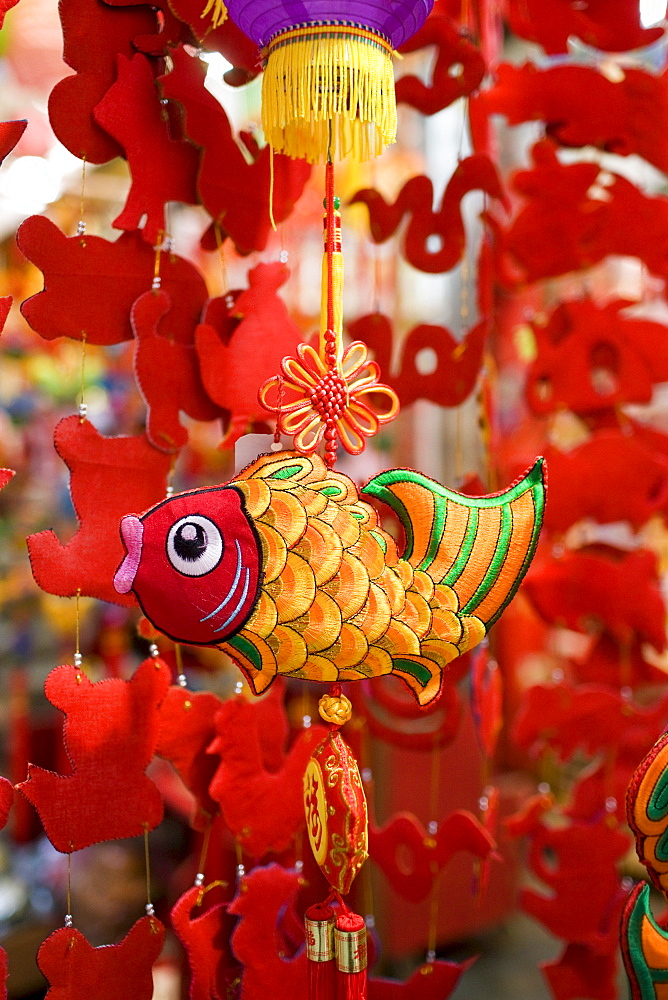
(319, 924)
(350, 943)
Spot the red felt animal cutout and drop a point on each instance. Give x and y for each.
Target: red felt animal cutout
(233, 187)
(77, 971)
(10, 133)
(582, 107)
(263, 807)
(582, 971)
(6, 801)
(589, 717)
(577, 864)
(266, 894)
(168, 376)
(90, 285)
(6, 5)
(457, 365)
(163, 169)
(110, 732)
(230, 41)
(458, 70)
(265, 333)
(487, 701)
(574, 216)
(108, 475)
(169, 29)
(93, 35)
(443, 226)
(612, 27)
(591, 358)
(186, 730)
(611, 477)
(615, 593)
(204, 932)
(391, 717)
(435, 981)
(404, 837)
(5, 306)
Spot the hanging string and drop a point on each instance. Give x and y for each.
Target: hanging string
(199, 878)
(432, 830)
(220, 246)
(83, 409)
(271, 188)
(81, 224)
(78, 659)
(181, 678)
(276, 445)
(157, 280)
(68, 916)
(150, 912)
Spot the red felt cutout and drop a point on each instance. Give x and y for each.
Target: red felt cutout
(617, 592)
(577, 864)
(162, 168)
(230, 41)
(575, 215)
(390, 712)
(591, 358)
(5, 306)
(589, 717)
(169, 30)
(454, 374)
(582, 107)
(204, 930)
(258, 942)
(110, 732)
(618, 663)
(108, 475)
(6, 5)
(77, 971)
(458, 70)
(93, 35)
(435, 981)
(168, 376)
(90, 284)
(404, 837)
(5, 476)
(237, 197)
(426, 225)
(581, 971)
(186, 730)
(6, 801)
(613, 27)
(265, 333)
(264, 809)
(611, 477)
(10, 133)
(527, 819)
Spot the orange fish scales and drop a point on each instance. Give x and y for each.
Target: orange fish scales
(294, 591)
(368, 549)
(440, 651)
(264, 618)
(445, 597)
(320, 627)
(350, 649)
(337, 487)
(474, 631)
(524, 519)
(321, 547)
(391, 551)
(312, 501)
(375, 616)
(399, 640)
(406, 493)
(317, 668)
(424, 584)
(394, 590)
(456, 523)
(287, 516)
(423, 692)
(288, 647)
(404, 571)
(274, 551)
(416, 614)
(256, 493)
(350, 587)
(489, 527)
(376, 662)
(446, 625)
(345, 525)
(268, 466)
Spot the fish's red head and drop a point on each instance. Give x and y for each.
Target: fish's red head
(193, 562)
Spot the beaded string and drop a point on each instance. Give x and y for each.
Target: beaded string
(329, 399)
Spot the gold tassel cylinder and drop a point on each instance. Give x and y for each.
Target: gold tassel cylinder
(329, 89)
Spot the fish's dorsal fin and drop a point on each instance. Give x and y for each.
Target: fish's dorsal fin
(481, 547)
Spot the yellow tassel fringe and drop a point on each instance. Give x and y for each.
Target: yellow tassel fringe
(325, 91)
(218, 12)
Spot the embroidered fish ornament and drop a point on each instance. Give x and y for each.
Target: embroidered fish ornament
(289, 571)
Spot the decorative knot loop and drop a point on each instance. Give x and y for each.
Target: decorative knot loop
(335, 709)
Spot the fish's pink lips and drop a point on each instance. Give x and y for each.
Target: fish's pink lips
(132, 533)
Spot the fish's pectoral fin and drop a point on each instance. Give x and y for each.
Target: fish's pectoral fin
(254, 657)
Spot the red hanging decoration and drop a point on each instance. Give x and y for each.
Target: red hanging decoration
(351, 956)
(320, 953)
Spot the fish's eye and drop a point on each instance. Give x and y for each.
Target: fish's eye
(194, 545)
